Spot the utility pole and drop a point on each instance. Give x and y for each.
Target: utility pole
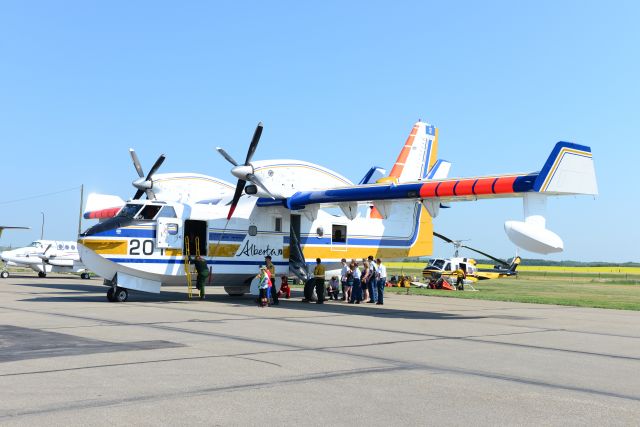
(80, 216)
(42, 228)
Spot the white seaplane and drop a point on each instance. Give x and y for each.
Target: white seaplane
(46, 256)
(297, 211)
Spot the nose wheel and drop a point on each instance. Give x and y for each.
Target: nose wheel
(4, 274)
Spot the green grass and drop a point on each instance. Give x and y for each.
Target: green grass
(601, 290)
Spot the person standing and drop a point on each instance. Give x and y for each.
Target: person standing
(372, 284)
(263, 286)
(356, 291)
(364, 280)
(271, 271)
(460, 275)
(318, 275)
(343, 278)
(203, 272)
(381, 281)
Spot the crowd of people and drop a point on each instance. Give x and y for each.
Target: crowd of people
(362, 282)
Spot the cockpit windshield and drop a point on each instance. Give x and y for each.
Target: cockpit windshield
(129, 210)
(35, 245)
(438, 263)
(148, 212)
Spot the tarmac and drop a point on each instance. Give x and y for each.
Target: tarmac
(69, 357)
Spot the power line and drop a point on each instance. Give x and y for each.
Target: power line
(39, 196)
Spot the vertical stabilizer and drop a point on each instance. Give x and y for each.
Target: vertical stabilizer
(418, 155)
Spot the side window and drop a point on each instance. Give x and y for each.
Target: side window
(60, 247)
(447, 267)
(66, 247)
(73, 247)
(253, 230)
(278, 224)
(338, 233)
(167, 212)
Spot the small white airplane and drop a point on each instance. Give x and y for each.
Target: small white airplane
(46, 256)
(297, 211)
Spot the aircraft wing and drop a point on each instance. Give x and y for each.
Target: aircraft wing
(11, 227)
(568, 170)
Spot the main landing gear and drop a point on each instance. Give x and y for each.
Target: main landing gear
(85, 276)
(116, 293)
(42, 274)
(4, 274)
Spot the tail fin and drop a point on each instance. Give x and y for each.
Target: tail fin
(569, 169)
(418, 155)
(514, 264)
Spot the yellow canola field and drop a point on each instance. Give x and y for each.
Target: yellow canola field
(559, 269)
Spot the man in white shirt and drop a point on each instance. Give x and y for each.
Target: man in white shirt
(381, 281)
(343, 276)
(372, 283)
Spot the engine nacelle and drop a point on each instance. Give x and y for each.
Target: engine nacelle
(531, 237)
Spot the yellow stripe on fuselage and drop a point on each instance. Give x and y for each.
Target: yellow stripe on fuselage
(106, 247)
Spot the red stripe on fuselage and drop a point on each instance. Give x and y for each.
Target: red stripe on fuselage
(504, 185)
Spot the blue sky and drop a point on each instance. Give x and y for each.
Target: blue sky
(336, 83)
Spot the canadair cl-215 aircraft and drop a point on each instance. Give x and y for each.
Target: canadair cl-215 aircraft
(297, 211)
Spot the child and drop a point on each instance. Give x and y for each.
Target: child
(334, 288)
(284, 288)
(263, 285)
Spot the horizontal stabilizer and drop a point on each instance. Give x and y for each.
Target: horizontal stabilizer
(440, 170)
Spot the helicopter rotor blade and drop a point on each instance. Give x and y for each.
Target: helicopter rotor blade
(498, 260)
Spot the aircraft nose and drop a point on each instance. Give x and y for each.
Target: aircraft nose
(107, 225)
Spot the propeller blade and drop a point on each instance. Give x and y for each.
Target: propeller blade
(254, 143)
(506, 264)
(136, 162)
(149, 192)
(236, 197)
(155, 166)
(257, 181)
(227, 156)
(138, 194)
(445, 238)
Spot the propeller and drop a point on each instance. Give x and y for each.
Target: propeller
(458, 244)
(245, 172)
(144, 184)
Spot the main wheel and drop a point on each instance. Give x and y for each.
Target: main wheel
(235, 291)
(4, 274)
(84, 276)
(111, 295)
(121, 295)
(42, 274)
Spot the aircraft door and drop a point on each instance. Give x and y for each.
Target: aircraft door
(196, 229)
(169, 233)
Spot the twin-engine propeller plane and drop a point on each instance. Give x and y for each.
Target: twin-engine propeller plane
(439, 267)
(46, 256)
(297, 211)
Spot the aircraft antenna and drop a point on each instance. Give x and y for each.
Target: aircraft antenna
(81, 203)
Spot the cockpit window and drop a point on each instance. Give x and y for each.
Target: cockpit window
(148, 212)
(167, 212)
(129, 211)
(35, 245)
(439, 263)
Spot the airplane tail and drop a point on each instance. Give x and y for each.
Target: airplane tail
(514, 264)
(568, 170)
(418, 155)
